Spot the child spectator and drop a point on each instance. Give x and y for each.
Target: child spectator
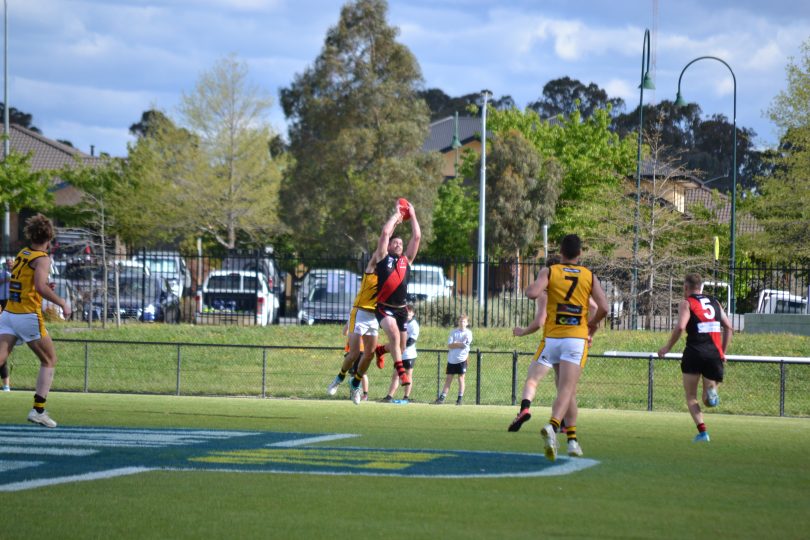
(458, 345)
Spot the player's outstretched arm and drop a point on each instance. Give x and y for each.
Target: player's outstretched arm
(416, 236)
(385, 235)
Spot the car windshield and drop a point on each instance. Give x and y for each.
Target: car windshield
(232, 282)
(789, 306)
(131, 286)
(431, 277)
(163, 266)
(333, 288)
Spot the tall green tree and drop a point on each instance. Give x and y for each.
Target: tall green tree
(595, 162)
(21, 187)
(357, 127)
(565, 95)
(210, 172)
(455, 218)
(522, 192)
(781, 206)
(239, 190)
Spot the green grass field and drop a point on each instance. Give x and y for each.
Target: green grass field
(305, 368)
(651, 481)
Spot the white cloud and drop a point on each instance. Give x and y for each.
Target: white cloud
(621, 88)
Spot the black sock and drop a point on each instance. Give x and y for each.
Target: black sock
(39, 403)
(525, 404)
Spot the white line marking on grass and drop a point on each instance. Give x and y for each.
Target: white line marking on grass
(6, 466)
(312, 440)
(112, 473)
(573, 465)
(45, 451)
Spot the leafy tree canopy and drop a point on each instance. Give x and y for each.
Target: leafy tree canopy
(357, 126)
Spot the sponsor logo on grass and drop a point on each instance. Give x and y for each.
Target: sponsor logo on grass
(32, 457)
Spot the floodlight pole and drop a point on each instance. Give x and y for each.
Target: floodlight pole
(6, 136)
(482, 205)
(645, 82)
(732, 265)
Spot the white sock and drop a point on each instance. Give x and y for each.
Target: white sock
(44, 380)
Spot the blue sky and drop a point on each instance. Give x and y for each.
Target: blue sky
(87, 69)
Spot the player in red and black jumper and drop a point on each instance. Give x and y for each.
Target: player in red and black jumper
(392, 288)
(708, 335)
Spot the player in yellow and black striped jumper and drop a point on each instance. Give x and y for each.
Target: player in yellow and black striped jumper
(566, 290)
(363, 324)
(22, 319)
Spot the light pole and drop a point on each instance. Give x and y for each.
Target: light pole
(6, 139)
(646, 82)
(482, 205)
(680, 102)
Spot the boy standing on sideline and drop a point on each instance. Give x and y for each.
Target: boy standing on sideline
(22, 320)
(458, 345)
(408, 358)
(708, 334)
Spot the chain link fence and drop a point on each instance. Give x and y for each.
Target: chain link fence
(776, 387)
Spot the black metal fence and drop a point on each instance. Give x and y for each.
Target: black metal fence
(775, 386)
(248, 288)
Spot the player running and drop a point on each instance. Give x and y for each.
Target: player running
(22, 319)
(708, 335)
(565, 290)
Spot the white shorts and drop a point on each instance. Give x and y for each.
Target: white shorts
(26, 326)
(364, 323)
(555, 350)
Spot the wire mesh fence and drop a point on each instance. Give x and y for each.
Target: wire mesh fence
(777, 387)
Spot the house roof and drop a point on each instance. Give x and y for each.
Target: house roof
(720, 204)
(440, 137)
(46, 154)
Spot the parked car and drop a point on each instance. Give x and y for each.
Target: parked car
(87, 275)
(327, 295)
(264, 265)
(169, 265)
(146, 299)
(236, 296)
(427, 282)
(776, 301)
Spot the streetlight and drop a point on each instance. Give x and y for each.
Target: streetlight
(680, 102)
(6, 136)
(456, 144)
(646, 82)
(482, 198)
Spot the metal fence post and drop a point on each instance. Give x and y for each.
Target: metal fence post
(514, 377)
(86, 365)
(782, 384)
(650, 382)
(264, 373)
(177, 392)
(438, 373)
(478, 377)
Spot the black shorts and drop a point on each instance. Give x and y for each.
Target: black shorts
(710, 367)
(457, 369)
(400, 314)
(408, 364)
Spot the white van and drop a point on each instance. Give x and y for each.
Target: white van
(426, 282)
(776, 301)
